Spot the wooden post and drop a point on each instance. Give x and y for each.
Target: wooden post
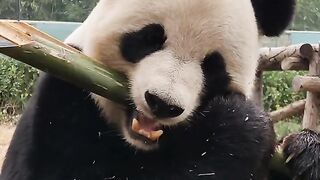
(311, 113)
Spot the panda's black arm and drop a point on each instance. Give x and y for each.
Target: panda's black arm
(244, 137)
(16, 165)
(59, 116)
(232, 138)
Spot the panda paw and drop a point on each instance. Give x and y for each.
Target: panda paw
(302, 152)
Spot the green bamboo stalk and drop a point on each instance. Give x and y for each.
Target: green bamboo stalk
(52, 56)
(75, 68)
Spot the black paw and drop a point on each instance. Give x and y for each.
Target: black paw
(302, 153)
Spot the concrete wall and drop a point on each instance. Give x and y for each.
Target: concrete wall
(61, 30)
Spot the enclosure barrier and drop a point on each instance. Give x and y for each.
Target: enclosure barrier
(295, 57)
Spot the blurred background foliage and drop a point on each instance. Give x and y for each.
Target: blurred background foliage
(47, 10)
(17, 80)
(307, 14)
(277, 91)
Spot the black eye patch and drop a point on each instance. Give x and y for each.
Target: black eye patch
(216, 77)
(135, 46)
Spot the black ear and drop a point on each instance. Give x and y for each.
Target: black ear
(273, 16)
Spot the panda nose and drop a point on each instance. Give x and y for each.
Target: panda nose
(160, 108)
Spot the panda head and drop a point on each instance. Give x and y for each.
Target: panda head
(177, 55)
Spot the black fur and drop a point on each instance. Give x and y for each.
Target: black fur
(61, 136)
(273, 16)
(135, 46)
(216, 77)
(303, 153)
(160, 108)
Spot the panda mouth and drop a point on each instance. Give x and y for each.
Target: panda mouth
(145, 127)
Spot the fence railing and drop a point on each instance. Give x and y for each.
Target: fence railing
(294, 57)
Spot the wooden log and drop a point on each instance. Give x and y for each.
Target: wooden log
(288, 111)
(311, 113)
(306, 83)
(293, 63)
(307, 51)
(294, 57)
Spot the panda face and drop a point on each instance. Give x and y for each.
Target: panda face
(176, 54)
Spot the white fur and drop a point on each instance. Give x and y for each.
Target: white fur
(176, 81)
(194, 29)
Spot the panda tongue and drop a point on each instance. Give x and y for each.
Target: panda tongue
(146, 127)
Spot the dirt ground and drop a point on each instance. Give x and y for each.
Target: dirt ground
(6, 132)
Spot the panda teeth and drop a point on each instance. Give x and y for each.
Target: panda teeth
(135, 125)
(152, 135)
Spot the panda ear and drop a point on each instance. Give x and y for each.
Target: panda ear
(273, 16)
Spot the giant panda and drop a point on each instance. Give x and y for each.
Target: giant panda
(190, 65)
